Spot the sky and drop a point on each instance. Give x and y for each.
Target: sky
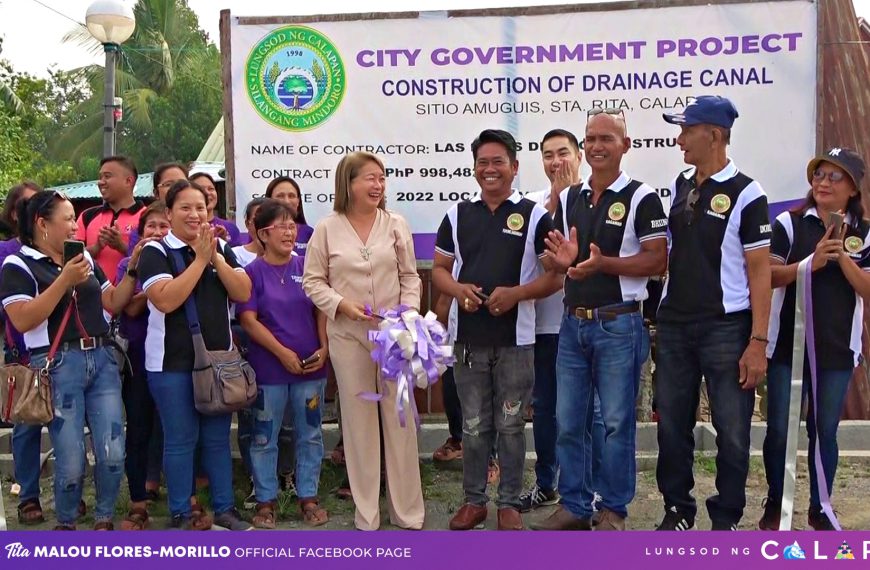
(33, 29)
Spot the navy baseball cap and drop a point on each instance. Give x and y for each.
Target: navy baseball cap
(845, 158)
(705, 110)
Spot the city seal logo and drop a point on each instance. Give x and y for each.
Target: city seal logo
(515, 222)
(794, 552)
(720, 203)
(295, 78)
(616, 211)
(854, 244)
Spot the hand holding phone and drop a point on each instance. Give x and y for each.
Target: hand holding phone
(72, 248)
(482, 295)
(311, 359)
(836, 221)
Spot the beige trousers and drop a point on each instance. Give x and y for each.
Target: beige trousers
(355, 372)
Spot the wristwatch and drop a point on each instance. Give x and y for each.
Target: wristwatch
(133, 272)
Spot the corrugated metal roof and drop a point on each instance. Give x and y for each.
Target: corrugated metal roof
(213, 149)
(90, 191)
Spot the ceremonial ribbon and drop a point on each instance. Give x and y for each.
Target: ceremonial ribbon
(410, 350)
(804, 336)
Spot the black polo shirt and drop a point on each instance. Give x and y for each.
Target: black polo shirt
(628, 213)
(495, 249)
(707, 275)
(28, 273)
(838, 312)
(168, 345)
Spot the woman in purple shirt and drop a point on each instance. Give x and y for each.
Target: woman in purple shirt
(288, 351)
(224, 229)
(284, 189)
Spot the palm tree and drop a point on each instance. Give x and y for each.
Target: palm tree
(8, 98)
(166, 42)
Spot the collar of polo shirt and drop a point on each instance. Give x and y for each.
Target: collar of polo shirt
(618, 185)
(815, 213)
(727, 173)
(175, 243)
(515, 197)
(132, 209)
(32, 253)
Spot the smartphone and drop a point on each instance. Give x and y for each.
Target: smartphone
(311, 359)
(836, 220)
(482, 295)
(72, 248)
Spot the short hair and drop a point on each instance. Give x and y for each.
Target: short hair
(9, 214)
(156, 207)
(555, 133)
(726, 134)
(40, 205)
(270, 189)
(268, 213)
(253, 205)
(195, 175)
(497, 136)
(179, 187)
(348, 168)
(163, 167)
(124, 161)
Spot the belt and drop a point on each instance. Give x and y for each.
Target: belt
(80, 344)
(605, 313)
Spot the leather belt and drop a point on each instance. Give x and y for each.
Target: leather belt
(80, 344)
(604, 313)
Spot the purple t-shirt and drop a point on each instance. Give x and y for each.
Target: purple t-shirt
(303, 234)
(134, 329)
(234, 236)
(287, 313)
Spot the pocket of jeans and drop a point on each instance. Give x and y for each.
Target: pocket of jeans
(38, 362)
(620, 326)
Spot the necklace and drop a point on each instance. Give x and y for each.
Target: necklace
(283, 273)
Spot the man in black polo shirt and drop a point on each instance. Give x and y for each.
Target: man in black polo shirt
(617, 238)
(713, 317)
(486, 257)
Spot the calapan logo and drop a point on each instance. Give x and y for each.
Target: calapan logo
(854, 244)
(616, 211)
(515, 222)
(295, 78)
(794, 552)
(720, 203)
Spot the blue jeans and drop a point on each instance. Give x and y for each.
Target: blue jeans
(85, 383)
(599, 434)
(183, 427)
(26, 445)
(685, 351)
(305, 401)
(544, 410)
(603, 357)
(832, 387)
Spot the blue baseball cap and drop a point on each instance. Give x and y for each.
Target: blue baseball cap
(705, 110)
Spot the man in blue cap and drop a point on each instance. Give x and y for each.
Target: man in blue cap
(712, 321)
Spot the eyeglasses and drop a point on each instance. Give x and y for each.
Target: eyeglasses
(280, 227)
(834, 176)
(168, 183)
(608, 110)
(691, 200)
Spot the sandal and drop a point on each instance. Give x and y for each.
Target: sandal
(65, 527)
(312, 513)
(337, 455)
(104, 525)
(199, 519)
(265, 517)
(30, 513)
(137, 519)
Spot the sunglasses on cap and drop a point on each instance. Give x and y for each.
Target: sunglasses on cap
(607, 110)
(834, 176)
(44, 206)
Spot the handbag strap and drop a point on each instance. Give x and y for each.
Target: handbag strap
(177, 263)
(55, 344)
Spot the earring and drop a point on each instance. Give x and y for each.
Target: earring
(45, 236)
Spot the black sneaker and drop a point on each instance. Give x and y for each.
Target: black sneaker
(232, 520)
(772, 514)
(537, 497)
(676, 520)
(817, 519)
(723, 526)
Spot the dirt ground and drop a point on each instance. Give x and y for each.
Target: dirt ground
(443, 493)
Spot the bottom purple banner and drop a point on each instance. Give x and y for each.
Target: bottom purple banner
(423, 550)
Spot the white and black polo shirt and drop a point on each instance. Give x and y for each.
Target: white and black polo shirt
(628, 213)
(549, 310)
(168, 346)
(495, 249)
(28, 273)
(706, 269)
(838, 311)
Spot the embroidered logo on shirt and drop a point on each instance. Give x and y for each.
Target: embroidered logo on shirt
(515, 222)
(854, 244)
(720, 203)
(616, 211)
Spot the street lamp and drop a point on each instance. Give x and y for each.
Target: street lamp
(111, 22)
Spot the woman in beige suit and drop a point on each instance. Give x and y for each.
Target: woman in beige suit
(360, 255)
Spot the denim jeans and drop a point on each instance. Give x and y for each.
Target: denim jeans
(26, 445)
(85, 383)
(183, 427)
(832, 387)
(685, 352)
(245, 419)
(139, 406)
(603, 357)
(305, 401)
(494, 386)
(599, 434)
(544, 410)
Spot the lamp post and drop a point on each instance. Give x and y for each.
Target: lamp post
(111, 22)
